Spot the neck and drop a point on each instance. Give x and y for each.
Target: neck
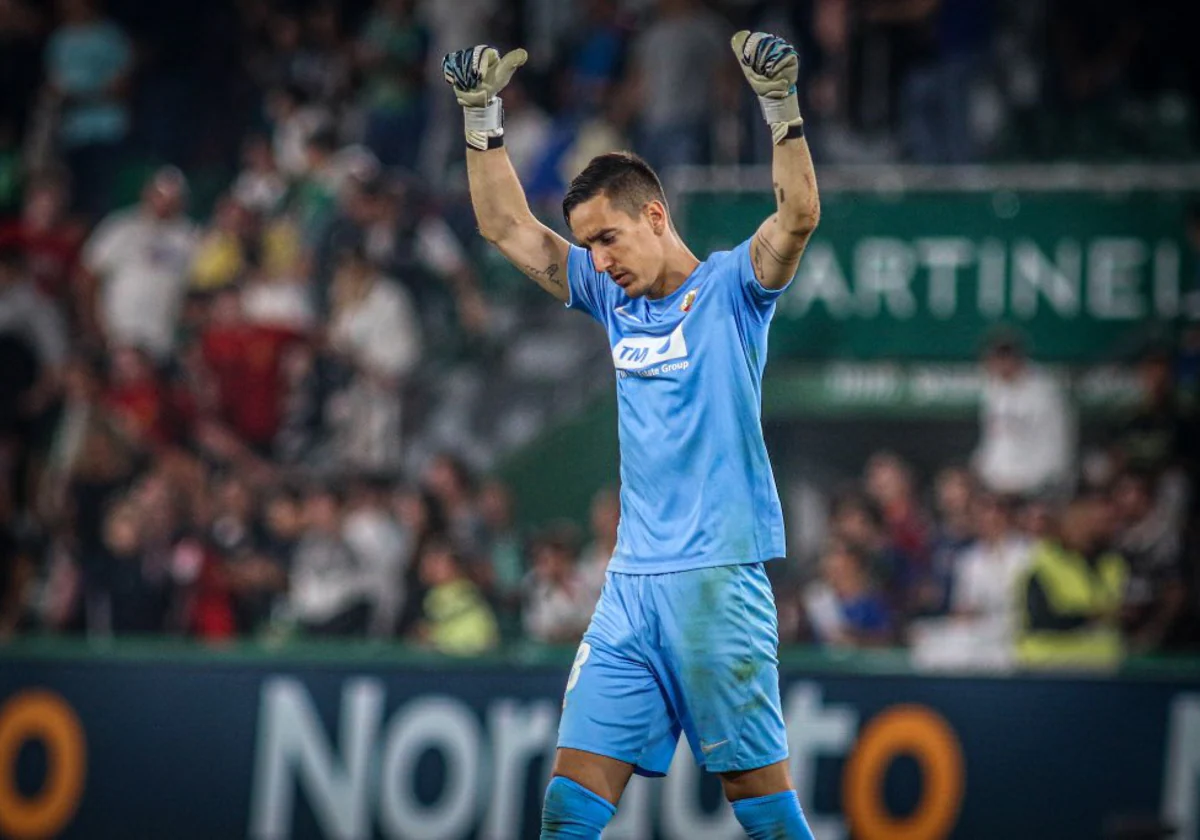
(681, 262)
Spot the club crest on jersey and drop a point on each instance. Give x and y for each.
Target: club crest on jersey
(647, 355)
(688, 300)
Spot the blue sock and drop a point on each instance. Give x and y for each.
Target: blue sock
(774, 817)
(573, 811)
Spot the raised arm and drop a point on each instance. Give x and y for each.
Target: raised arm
(772, 67)
(503, 213)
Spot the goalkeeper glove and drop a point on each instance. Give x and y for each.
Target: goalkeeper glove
(771, 66)
(477, 75)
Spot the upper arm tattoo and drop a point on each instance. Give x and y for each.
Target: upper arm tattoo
(549, 274)
(761, 244)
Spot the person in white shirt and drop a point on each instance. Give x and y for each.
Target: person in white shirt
(139, 260)
(555, 601)
(375, 329)
(1027, 442)
(384, 551)
(988, 572)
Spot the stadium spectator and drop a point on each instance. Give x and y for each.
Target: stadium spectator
(406, 236)
(947, 45)
(260, 185)
(49, 239)
(1159, 438)
(843, 607)
(136, 268)
(375, 332)
(221, 251)
(954, 531)
(604, 517)
(455, 619)
(137, 399)
(676, 80)
(505, 566)
(384, 550)
(294, 121)
(247, 362)
(324, 66)
(557, 602)
(391, 54)
(857, 522)
(89, 63)
(1071, 597)
(988, 575)
(595, 55)
(136, 595)
(327, 589)
(1026, 445)
(526, 129)
(33, 342)
(451, 484)
(889, 483)
(1156, 593)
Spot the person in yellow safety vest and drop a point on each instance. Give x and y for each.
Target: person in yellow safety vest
(455, 619)
(1071, 595)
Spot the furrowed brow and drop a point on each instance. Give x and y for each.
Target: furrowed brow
(596, 236)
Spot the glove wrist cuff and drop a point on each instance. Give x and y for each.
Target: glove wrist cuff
(783, 110)
(484, 126)
(485, 119)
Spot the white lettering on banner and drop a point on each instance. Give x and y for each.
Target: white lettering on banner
(993, 260)
(519, 734)
(682, 818)
(1035, 275)
(944, 256)
(292, 746)
(1113, 272)
(440, 723)
(884, 269)
(815, 730)
(1111, 278)
(1181, 788)
(819, 278)
(1166, 279)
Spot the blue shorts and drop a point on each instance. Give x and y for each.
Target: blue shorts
(693, 652)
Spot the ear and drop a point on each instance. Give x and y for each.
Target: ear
(656, 214)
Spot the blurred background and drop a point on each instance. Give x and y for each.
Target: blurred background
(306, 497)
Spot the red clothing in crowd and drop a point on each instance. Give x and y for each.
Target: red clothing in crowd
(142, 408)
(51, 255)
(210, 613)
(247, 361)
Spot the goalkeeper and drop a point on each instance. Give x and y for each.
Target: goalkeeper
(684, 639)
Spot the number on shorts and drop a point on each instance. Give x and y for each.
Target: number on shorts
(581, 656)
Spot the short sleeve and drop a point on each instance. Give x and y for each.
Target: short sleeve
(101, 249)
(588, 288)
(759, 299)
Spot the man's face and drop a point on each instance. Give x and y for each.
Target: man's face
(629, 249)
(1004, 364)
(164, 198)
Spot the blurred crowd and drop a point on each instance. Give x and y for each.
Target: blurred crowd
(1039, 550)
(235, 245)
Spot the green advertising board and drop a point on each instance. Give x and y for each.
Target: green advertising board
(1087, 275)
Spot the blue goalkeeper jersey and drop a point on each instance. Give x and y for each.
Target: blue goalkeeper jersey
(696, 483)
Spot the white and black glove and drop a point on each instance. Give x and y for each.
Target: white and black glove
(477, 75)
(771, 66)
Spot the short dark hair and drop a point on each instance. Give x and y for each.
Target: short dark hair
(628, 181)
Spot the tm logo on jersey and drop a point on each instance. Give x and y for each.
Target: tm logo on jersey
(651, 356)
